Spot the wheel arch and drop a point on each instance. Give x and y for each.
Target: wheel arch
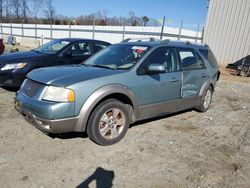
(116, 91)
(206, 85)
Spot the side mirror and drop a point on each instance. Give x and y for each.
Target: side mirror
(156, 69)
(67, 53)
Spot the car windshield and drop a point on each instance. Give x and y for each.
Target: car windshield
(52, 47)
(118, 56)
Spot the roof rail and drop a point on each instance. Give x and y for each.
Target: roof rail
(165, 41)
(139, 39)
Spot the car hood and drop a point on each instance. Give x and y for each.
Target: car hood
(64, 76)
(22, 56)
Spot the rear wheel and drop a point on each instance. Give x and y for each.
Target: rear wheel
(206, 100)
(108, 123)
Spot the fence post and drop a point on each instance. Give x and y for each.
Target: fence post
(202, 35)
(197, 33)
(180, 30)
(93, 29)
(51, 32)
(42, 39)
(11, 32)
(124, 29)
(22, 30)
(162, 28)
(36, 31)
(69, 30)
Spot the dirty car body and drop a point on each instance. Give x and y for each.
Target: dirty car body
(120, 85)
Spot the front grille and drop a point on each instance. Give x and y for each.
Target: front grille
(31, 88)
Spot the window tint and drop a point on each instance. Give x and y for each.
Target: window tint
(99, 46)
(208, 54)
(80, 49)
(166, 57)
(190, 60)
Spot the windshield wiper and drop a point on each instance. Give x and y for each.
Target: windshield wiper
(100, 66)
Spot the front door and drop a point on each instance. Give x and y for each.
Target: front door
(160, 93)
(77, 53)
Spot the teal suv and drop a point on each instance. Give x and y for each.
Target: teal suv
(121, 84)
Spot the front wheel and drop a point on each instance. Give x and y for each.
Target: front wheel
(108, 123)
(206, 100)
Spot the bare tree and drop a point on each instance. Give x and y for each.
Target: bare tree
(1, 10)
(50, 11)
(16, 5)
(36, 7)
(24, 10)
(145, 20)
(7, 7)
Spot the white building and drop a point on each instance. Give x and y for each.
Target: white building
(227, 29)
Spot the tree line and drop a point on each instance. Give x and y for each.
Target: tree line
(44, 12)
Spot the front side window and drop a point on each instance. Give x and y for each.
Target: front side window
(164, 56)
(118, 56)
(80, 49)
(52, 47)
(190, 60)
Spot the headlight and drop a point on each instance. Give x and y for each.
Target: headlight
(59, 94)
(13, 66)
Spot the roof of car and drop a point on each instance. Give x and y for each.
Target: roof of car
(81, 39)
(166, 43)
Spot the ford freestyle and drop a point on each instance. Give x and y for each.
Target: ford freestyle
(121, 84)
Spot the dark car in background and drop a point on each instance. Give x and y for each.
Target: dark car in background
(15, 66)
(2, 46)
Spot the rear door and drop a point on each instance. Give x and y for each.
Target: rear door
(194, 74)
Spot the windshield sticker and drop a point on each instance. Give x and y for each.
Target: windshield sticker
(139, 49)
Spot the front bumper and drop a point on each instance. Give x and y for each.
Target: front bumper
(11, 79)
(50, 126)
(33, 111)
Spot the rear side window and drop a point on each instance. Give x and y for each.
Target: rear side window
(190, 60)
(208, 54)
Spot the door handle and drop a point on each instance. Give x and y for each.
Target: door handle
(174, 80)
(203, 75)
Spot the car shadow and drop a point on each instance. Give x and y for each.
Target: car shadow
(70, 135)
(11, 89)
(103, 178)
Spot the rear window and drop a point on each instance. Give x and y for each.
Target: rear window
(208, 54)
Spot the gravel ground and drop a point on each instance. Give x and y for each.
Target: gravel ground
(188, 149)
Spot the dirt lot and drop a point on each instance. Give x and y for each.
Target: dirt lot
(188, 149)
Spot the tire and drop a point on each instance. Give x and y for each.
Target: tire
(108, 123)
(206, 100)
